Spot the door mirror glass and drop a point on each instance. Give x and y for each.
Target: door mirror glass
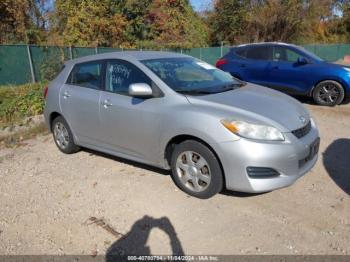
(140, 90)
(302, 60)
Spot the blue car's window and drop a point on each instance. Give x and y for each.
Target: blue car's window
(259, 52)
(309, 54)
(281, 53)
(120, 74)
(188, 75)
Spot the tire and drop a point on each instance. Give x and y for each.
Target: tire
(63, 136)
(201, 176)
(328, 93)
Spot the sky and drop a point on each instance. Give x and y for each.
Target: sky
(201, 5)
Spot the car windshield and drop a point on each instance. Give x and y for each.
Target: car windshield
(309, 54)
(192, 76)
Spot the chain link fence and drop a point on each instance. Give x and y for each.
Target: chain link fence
(20, 64)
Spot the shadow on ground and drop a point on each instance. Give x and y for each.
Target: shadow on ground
(135, 241)
(336, 159)
(164, 172)
(129, 162)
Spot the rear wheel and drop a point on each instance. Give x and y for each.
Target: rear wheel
(63, 136)
(196, 169)
(328, 93)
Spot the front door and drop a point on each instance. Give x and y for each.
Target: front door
(130, 125)
(285, 73)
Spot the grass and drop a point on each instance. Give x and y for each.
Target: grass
(15, 140)
(16, 104)
(19, 102)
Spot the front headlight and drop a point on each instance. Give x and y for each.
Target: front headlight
(253, 131)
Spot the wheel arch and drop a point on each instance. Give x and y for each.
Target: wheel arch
(52, 116)
(169, 148)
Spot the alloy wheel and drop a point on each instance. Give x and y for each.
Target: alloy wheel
(328, 93)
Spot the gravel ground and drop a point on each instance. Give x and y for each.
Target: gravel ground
(90, 203)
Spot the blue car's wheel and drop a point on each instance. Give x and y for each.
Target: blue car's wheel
(328, 93)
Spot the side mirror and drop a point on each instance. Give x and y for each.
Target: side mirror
(302, 60)
(140, 90)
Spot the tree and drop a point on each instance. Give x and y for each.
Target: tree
(237, 21)
(21, 21)
(89, 23)
(173, 24)
(228, 21)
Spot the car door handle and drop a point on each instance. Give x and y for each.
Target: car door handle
(66, 94)
(106, 103)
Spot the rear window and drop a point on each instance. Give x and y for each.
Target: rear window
(87, 75)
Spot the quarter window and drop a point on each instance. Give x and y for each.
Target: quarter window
(121, 74)
(87, 75)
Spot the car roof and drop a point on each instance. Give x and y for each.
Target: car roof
(263, 44)
(128, 55)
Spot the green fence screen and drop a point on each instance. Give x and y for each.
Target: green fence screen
(21, 64)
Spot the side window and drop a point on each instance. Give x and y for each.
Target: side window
(87, 75)
(259, 52)
(285, 54)
(292, 56)
(121, 74)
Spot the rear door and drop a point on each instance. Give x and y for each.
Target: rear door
(79, 100)
(254, 67)
(285, 73)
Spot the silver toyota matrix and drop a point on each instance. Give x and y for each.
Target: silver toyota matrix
(177, 112)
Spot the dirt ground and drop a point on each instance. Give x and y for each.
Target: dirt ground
(90, 203)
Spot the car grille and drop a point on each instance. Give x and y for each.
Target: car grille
(301, 132)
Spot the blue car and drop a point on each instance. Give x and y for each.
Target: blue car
(290, 69)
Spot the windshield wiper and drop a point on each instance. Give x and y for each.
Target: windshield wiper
(213, 90)
(194, 92)
(228, 87)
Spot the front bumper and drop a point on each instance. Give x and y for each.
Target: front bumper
(291, 159)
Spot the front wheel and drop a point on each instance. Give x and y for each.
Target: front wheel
(196, 169)
(328, 93)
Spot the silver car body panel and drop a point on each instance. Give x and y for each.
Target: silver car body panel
(140, 129)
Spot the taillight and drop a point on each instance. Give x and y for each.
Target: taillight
(46, 90)
(221, 62)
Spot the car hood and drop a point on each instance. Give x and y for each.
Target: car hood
(258, 104)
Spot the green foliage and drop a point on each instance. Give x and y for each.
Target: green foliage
(228, 21)
(22, 21)
(18, 102)
(171, 23)
(308, 21)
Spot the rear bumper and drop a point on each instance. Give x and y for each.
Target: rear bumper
(287, 158)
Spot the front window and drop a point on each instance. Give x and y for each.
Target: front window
(121, 74)
(282, 53)
(309, 54)
(191, 76)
